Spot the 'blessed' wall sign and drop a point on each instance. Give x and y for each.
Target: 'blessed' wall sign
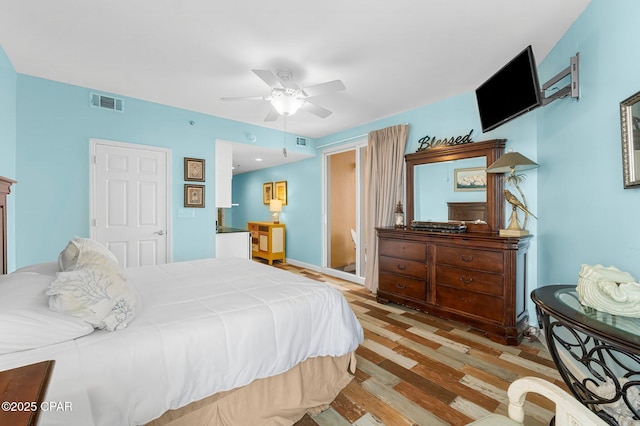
(431, 142)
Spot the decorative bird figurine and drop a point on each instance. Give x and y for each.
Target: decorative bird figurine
(515, 202)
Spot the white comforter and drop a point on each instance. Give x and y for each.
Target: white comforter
(202, 327)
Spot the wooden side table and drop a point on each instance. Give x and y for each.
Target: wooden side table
(267, 241)
(594, 351)
(22, 391)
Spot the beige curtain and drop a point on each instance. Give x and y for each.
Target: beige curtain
(384, 187)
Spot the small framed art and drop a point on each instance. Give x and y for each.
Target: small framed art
(280, 191)
(470, 179)
(193, 195)
(194, 169)
(267, 192)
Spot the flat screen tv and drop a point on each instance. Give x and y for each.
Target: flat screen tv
(510, 92)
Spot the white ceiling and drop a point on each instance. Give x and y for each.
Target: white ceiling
(249, 157)
(391, 56)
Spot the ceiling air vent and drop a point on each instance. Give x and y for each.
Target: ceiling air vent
(301, 141)
(106, 102)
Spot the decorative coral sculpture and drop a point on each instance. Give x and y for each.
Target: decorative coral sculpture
(610, 290)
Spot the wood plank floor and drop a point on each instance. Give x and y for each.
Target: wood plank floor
(417, 369)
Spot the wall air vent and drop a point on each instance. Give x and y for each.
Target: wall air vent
(106, 102)
(301, 141)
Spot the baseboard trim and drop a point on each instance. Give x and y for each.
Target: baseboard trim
(328, 271)
(304, 265)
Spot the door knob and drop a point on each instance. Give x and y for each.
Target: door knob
(161, 232)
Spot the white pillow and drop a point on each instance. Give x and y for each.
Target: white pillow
(45, 268)
(82, 251)
(97, 291)
(26, 322)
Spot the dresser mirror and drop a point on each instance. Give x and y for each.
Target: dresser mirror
(447, 181)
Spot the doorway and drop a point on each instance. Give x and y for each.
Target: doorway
(130, 201)
(344, 242)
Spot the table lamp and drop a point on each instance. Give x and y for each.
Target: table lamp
(275, 207)
(510, 163)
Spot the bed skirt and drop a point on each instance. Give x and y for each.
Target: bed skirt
(309, 387)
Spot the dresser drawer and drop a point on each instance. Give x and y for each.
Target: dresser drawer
(402, 286)
(396, 265)
(482, 305)
(485, 260)
(404, 249)
(469, 279)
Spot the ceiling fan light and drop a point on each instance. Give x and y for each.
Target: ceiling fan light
(287, 105)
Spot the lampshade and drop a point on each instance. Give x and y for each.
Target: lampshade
(275, 205)
(286, 105)
(510, 162)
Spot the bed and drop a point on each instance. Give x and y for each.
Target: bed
(213, 341)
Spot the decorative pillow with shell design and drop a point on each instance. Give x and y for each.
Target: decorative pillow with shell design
(92, 286)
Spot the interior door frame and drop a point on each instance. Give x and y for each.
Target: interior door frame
(93, 143)
(356, 146)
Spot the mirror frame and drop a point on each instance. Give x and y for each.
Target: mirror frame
(491, 150)
(628, 135)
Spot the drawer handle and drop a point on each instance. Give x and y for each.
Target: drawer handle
(400, 286)
(466, 258)
(466, 280)
(402, 267)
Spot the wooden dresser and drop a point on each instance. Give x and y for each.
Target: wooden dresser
(5, 189)
(474, 278)
(267, 240)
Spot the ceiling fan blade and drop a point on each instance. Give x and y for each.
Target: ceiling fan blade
(272, 115)
(269, 78)
(322, 88)
(245, 98)
(315, 109)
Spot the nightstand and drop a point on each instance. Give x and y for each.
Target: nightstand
(25, 387)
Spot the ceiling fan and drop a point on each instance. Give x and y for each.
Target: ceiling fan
(287, 98)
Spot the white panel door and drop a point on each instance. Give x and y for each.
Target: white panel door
(130, 200)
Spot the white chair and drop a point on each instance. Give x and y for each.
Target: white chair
(352, 266)
(569, 411)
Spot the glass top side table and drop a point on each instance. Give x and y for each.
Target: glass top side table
(596, 353)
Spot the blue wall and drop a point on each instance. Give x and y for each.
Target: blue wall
(585, 214)
(302, 214)
(54, 125)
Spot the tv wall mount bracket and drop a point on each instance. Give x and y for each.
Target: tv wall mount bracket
(572, 89)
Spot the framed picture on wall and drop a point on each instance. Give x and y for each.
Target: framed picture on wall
(193, 195)
(281, 191)
(470, 179)
(194, 169)
(267, 192)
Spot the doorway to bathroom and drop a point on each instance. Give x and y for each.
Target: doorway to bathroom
(345, 247)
